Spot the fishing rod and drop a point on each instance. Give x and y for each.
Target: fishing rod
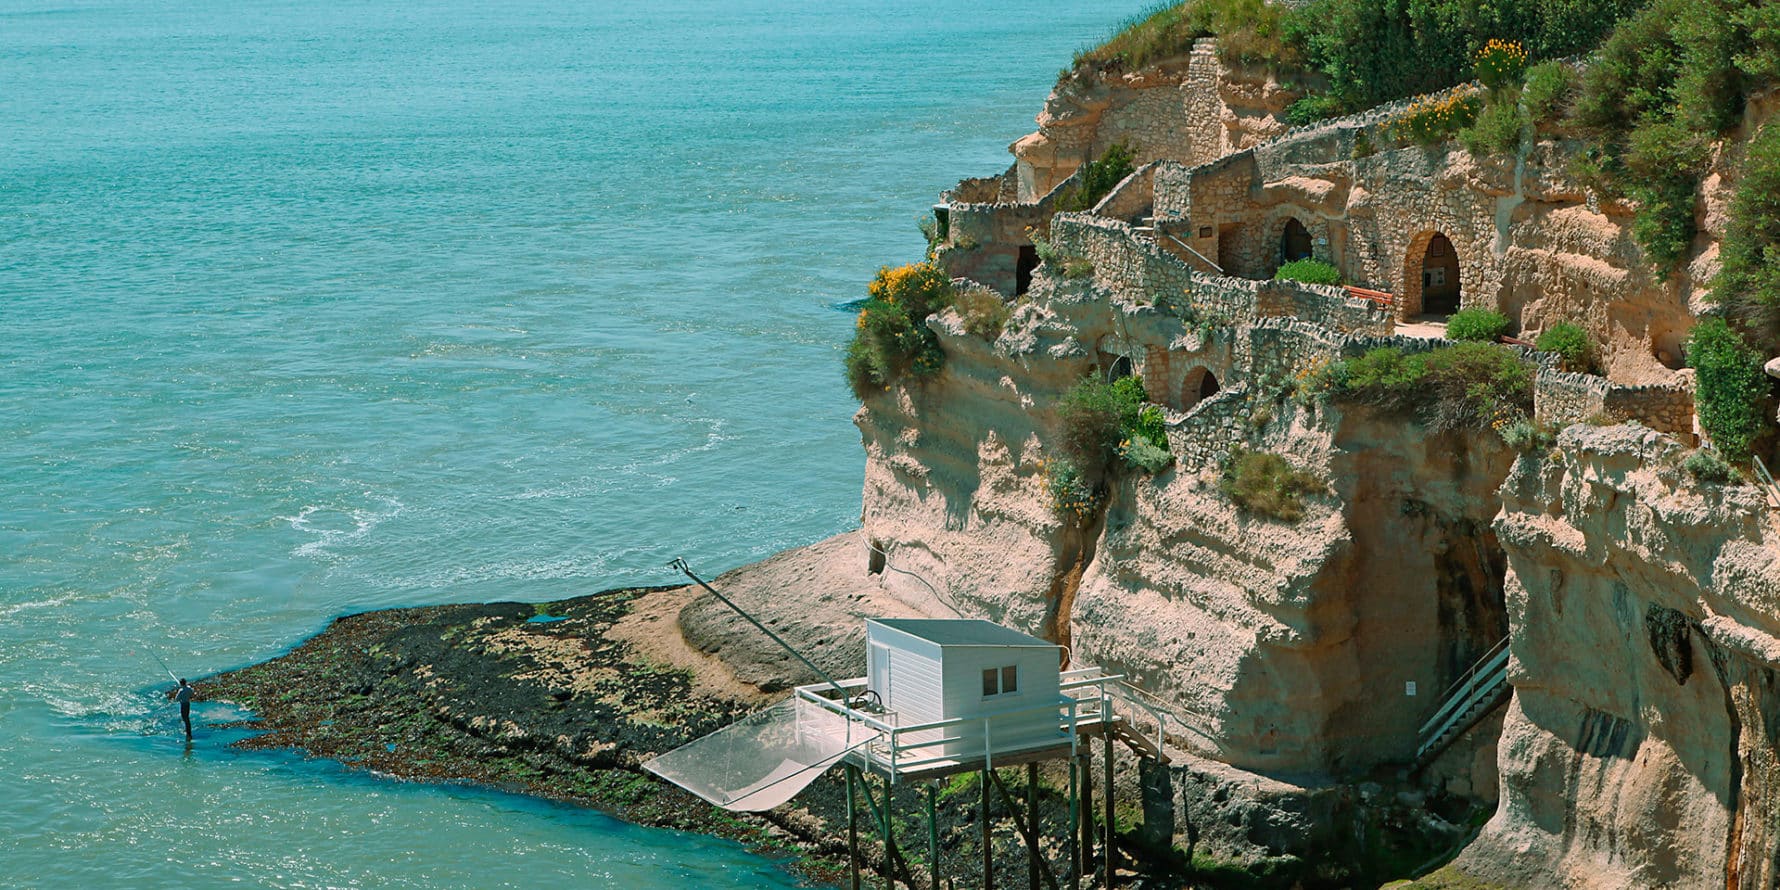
(157, 657)
(685, 569)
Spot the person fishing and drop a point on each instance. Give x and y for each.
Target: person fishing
(183, 695)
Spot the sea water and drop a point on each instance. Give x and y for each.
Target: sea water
(312, 308)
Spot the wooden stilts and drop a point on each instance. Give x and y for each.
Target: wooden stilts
(1032, 820)
(1028, 832)
(1075, 817)
(988, 852)
(889, 838)
(852, 828)
(933, 834)
(1087, 822)
(1109, 808)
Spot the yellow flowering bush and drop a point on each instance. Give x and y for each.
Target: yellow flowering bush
(890, 338)
(1433, 118)
(1500, 63)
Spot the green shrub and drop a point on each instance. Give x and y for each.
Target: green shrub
(1500, 63)
(983, 312)
(1546, 95)
(1476, 324)
(1077, 268)
(1309, 271)
(1527, 437)
(1730, 390)
(1099, 177)
(1145, 455)
(1466, 386)
(891, 341)
(1498, 127)
(1705, 466)
(1748, 284)
(1099, 421)
(1374, 51)
(1264, 484)
(1092, 417)
(1311, 109)
(1073, 496)
(1045, 250)
(1436, 118)
(1663, 85)
(1569, 342)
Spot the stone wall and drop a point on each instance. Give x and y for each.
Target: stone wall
(1192, 110)
(1138, 270)
(1562, 398)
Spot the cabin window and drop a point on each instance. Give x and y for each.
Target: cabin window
(1001, 681)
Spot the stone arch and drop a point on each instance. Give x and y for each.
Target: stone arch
(1199, 384)
(1314, 240)
(1433, 270)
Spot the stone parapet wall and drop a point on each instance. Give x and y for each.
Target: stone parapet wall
(1201, 438)
(1133, 268)
(1561, 398)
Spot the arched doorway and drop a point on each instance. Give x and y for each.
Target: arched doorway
(1440, 277)
(1200, 384)
(1294, 242)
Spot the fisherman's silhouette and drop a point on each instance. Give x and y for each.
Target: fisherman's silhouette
(183, 695)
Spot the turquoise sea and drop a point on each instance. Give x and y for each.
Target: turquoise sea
(307, 309)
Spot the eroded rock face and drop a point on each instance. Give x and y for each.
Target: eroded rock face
(1310, 647)
(1642, 748)
(1193, 110)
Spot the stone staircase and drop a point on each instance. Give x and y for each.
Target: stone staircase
(1482, 689)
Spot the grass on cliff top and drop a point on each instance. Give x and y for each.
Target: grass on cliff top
(1249, 31)
(1467, 386)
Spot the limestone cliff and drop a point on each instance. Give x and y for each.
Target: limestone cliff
(1641, 746)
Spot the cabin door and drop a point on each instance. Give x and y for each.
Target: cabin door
(879, 672)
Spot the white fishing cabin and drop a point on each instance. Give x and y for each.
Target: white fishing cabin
(1001, 686)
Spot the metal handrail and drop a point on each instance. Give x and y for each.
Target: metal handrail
(1769, 489)
(1189, 249)
(1462, 690)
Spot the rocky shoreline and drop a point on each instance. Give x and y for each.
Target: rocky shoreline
(538, 699)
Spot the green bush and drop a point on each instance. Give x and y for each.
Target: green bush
(1099, 177)
(1309, 271)
(1498, 127)
(1569, 342)
(1076, 268)
(1466, 386)
(983, 312)
(1264, 484)
(891, 341)
(1748, 284)
(1705, 466)
(1667, 82)
(1099, 421)
(1092, 417)
(1145, 455)
(1547, 93)
(1476, 324)
(1073, 496)
(1527, 437)
(1730, 390)
(1374, 51)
